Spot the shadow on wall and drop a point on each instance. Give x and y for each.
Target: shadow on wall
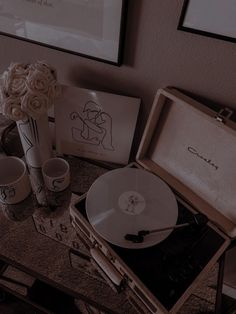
(132, 29)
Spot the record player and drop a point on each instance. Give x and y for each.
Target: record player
(191, 149)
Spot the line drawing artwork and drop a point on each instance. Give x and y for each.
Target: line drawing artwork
(56, 183)
(7, 192)
(95, 126)
(30, 138)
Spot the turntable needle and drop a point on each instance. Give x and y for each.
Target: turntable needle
(198, 219)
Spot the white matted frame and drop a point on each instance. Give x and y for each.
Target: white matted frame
(95, 125)
(213, 18)
(91, 28)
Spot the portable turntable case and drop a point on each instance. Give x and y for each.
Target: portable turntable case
(193, 149)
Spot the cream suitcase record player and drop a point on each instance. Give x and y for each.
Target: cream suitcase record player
(159, 225)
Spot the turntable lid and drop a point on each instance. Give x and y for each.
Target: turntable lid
(194, 150)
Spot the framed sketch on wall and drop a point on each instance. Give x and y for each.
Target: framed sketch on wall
(90, 28)
(213, 18)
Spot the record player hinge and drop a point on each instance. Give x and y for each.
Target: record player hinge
(223, 115)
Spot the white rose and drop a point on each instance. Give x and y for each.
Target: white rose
(47, 69)
(11, 108)
(14, 83)
(2, 90)
(2, 96)
(18, 68)
(18, 85)
(37, 82)
(34, 104)
(5, 81)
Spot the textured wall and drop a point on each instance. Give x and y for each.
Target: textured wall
(156, 54)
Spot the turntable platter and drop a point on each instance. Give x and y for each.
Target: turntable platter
(127, 200)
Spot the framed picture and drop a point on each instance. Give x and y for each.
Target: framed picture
(90, 28)
(95, 125)
(214, 18)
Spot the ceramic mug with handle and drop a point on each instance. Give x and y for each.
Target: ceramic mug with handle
(14, 180)
(56, 174)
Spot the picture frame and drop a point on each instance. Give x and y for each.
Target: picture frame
(95, 125)
(92, 29)
(212, 18)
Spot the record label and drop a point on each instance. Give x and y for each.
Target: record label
(127, 200)
(131, 203)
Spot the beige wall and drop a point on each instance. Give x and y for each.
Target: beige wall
(156, 54)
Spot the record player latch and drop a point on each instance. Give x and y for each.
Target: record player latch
(223, 115)
(106, 266)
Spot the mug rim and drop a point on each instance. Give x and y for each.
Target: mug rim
(50, 160)
(21, 176)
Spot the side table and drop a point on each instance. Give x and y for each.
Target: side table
(39, 246)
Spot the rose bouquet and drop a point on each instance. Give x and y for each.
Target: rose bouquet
(28, 90)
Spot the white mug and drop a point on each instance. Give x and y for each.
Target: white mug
(14, 180)
(56, 174)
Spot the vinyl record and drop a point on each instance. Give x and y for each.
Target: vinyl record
(127, 200)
